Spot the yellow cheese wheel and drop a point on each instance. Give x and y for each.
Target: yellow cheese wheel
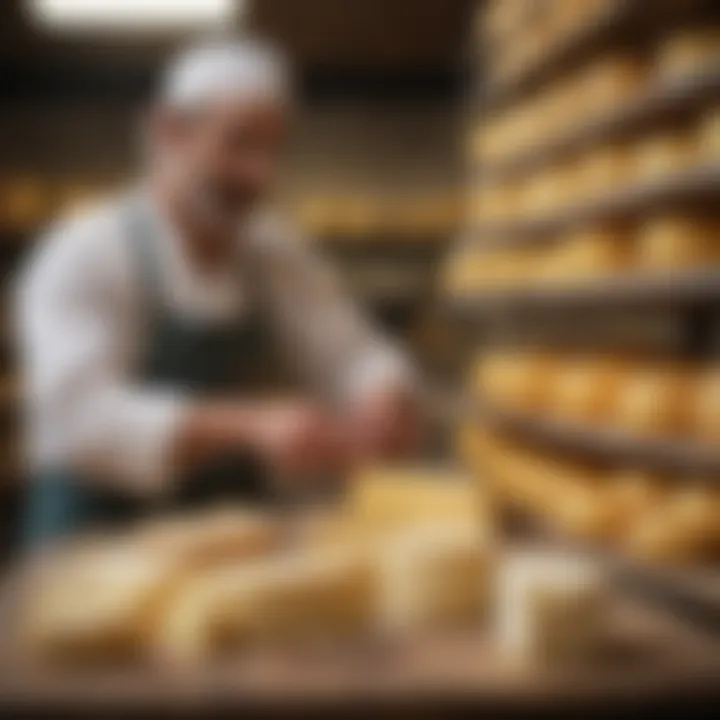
(585, 510)
(599, 252)
(543, 194)
(612, 81)
(706, 407)
(671, 243)
(655, 401)
(632, 493)
(684, 529)
(586, 391)
(556, 264)
(689, 52)
(605, 170)
(661, 156)
(709, 138)
(516, 381)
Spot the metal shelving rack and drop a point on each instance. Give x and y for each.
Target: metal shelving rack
(692, 298)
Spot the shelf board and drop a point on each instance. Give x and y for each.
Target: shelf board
(662, 455)
(385, 247)
(695, 186)
(584, 42)
(668, 102)
(691, 288)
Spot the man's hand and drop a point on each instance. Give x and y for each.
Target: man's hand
(297, 438)
(387, 425)
(292, 437)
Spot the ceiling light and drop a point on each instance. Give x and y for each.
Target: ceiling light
(134, 14)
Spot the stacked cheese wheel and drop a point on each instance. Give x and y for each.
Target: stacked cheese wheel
(660, 246)
(604, 169)
(596, 91)
(642, 398)
(657, 517)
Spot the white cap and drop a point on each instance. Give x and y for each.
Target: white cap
(246, 69)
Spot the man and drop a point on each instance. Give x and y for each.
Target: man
(142, 323)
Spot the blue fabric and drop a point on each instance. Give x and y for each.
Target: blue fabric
(179, 353)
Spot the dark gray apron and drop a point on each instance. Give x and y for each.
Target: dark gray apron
(210, 360)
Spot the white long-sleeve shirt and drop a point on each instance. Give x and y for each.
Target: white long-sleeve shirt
(80, 312)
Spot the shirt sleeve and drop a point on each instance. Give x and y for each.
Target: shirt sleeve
(327, 339)
(76, 336)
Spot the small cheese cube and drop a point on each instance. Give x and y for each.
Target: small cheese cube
(432, 576)
(549, 608)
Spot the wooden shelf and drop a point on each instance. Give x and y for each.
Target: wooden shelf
(608, 445)
(699, 185)
(386, 247)
(692, 288)
(666, 103)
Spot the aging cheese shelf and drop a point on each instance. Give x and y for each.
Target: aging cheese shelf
(698, 186)
(663, 455)
(668, 102)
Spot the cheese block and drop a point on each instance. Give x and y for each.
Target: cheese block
(550, 608)
(655, 401)
(432, 576)
(586, 390)
(216, 535)
(671, 243)
(384, 499)
(306, 597)
(706, 407)
(661, 156)
(689, 52)
(97, 603)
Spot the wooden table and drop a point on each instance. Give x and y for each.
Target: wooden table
(654, 662)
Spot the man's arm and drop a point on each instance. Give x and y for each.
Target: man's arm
(337, 350)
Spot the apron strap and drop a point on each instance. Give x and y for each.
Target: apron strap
(142, 237)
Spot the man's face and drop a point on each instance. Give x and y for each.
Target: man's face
(225, 157)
